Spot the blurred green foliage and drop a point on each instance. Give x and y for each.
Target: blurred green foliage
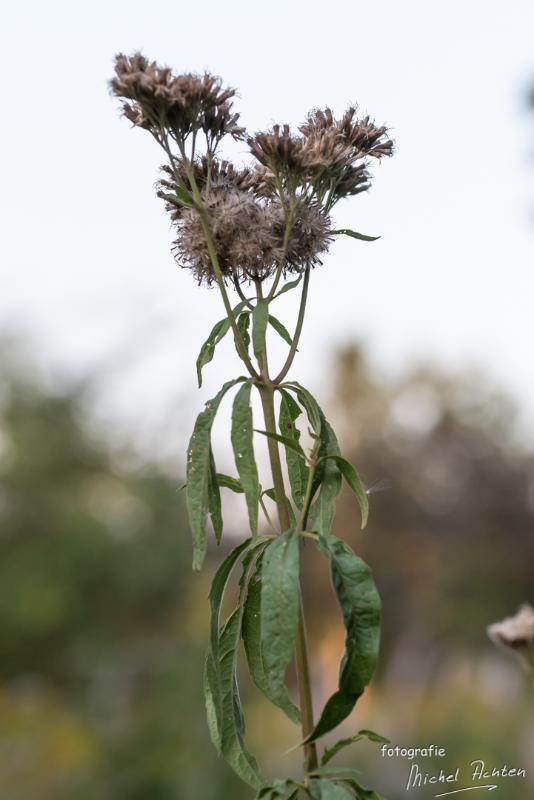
(100, 667)
(103, 625)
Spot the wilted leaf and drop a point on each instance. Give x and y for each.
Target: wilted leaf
(198, 472)
(260, 316)
(214, 499)
(243, 446)
(354, 481)
(360, 605)
(279, 607)
(251, 631)
(296, 467)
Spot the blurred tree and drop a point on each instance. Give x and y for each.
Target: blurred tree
(100, 693)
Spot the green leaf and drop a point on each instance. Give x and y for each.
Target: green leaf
(286, 440)
(328, 790)
(212, 687)
(214, 499)
(335, 772)
(225, 716)
(310, 405)
(198, 474)
(354, 481)
(330, 752)
(279, 608)
(327, 476)
(279, 788)
(288, 286)
(355, 235)
(243, 446)
(280, 329)
(272, 495)
(218, 332)
(361, 792)
(232, 729)
(260, 316)
(296, 467)
(243, 323)
(228, 482)
(360, 605)
(181, 197)
(327, 480)
(251, 632)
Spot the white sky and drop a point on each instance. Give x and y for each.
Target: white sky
(85, 261)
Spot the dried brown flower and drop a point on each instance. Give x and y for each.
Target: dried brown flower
(516, 632)
(248, 234)
(183, 103)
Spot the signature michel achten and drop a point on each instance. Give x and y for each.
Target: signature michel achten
(479, 776)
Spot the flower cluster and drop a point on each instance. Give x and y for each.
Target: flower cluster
(329, 159)
(246, 223)
(178, 104)
(271, 216)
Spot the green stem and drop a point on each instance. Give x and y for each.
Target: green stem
(301, 647)
(298, 330)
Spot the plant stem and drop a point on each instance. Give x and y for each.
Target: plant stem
(298, 330)
(301, 647)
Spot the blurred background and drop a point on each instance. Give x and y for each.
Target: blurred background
(417, 345)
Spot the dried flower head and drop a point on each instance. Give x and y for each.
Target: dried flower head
(182, 103)
(328, 159)
(515, 632)
(248, 235)
(362, 136)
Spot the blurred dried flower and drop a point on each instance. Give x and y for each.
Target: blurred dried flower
(516, 632)
(183, 103)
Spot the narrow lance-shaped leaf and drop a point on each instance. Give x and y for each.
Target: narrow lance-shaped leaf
(296, 466)
(310, 405)
(355, 235)
(279, 608)
(328, 480)
(198, 474)
(214, 499)
(271, 494)
(218, 332)
(251, 632)
(260, 316)
(242, 443)
(360, 605)
(212, 686)
(228, 482)
(327, 476)
(232, 728)
(243, 324)
(181, 197)
(355, 483)
(280, 329)
(323, 789)
(223, 703)
(233, 723)
(330, 752)
(288, 286)
(286, 440)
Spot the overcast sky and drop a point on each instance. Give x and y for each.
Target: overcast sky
(85, 262)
